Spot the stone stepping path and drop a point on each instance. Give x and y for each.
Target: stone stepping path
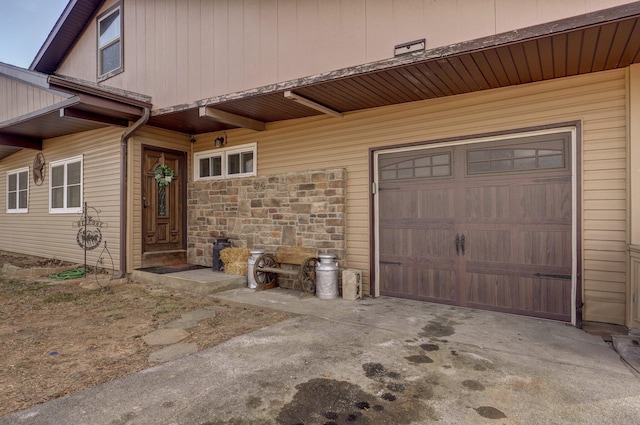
(175, 331)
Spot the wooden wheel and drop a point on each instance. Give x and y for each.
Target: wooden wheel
(265, 279)
(307, 275)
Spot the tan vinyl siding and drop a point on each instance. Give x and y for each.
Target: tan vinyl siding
(53, 235)
(179, 51)
(598, 100)
(148, 136)
(18, 99)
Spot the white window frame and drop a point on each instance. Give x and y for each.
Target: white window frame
(65, 162)
(108, 43)
(224, 153)
(17, 191)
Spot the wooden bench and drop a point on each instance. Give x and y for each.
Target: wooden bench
(268, 266)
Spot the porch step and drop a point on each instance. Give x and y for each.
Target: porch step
(201, 281)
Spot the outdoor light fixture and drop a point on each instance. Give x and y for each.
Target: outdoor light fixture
(219, 141)
(410, 47)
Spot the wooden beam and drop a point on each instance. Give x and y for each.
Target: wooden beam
(231, 119)
(20, 141)
(90, 116)
(311, 104)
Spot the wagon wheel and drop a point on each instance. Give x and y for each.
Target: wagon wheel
(265, 279)
(307, 275)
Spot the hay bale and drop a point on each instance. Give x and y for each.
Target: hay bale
(236, 268)
(235, 260)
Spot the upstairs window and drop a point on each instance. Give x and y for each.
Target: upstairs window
(109, 43)
(65, 185)
(18, 190)
(238, 161)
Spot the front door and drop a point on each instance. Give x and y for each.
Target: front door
(485, 225)
(163, 205)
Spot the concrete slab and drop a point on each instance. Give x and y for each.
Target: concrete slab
(173, 352)
(201, 281)
(628, 346)
(165, 336)
(373, 361)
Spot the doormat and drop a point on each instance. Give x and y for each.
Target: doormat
(173, 268)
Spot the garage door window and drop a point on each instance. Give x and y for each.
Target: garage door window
(526, 157)
(410, 165)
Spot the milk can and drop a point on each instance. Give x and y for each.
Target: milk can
(221, 243)
(327, 277)
(255, 254)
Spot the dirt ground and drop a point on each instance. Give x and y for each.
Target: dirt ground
(57, 337)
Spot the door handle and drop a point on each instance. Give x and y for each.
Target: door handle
(462, 240)
(144, 202)
(457, 244)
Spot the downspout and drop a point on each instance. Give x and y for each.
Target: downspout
(124, 172)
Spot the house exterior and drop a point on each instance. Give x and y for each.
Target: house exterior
(473, 153)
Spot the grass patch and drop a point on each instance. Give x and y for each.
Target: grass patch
(62, 297)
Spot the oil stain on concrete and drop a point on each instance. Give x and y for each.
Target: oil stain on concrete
(438, 328)
(332, 402)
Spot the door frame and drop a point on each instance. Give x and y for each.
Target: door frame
(182, 182)
(573, 127)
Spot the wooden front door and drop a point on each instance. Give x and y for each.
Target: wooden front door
(163, 206)
(485, 225)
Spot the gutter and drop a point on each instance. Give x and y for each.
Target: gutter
(124, 171)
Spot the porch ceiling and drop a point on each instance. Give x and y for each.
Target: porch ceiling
(594, 42)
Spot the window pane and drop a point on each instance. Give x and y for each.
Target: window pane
(441, 159)
(12, 201)
(57, 175)
(23, 180)
(109, 28)
(205, 170)
(423, 172)
(441, 170)
(57, 197)
(501, 165)
(524, 164)
(233, 164)
(478, 155)
(423, 162)
(73, 197)
(216, 166)
(500, 153)
(13, 182)
(110, 58)
(478, 167)
(551, 161)
(22, 198)
(247, 162)
(524, 152)
(388, 175)
(73, 173)
(405, 174)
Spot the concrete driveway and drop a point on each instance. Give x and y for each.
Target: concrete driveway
(374, 361)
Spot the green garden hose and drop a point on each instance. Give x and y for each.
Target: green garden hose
(68, 274)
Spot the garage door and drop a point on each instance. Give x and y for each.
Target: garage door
(483, 225)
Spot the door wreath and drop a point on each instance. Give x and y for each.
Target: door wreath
(163, 175)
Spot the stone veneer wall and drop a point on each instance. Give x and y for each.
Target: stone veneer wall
(304, 209)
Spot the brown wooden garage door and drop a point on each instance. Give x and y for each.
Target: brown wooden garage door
(484, 225)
